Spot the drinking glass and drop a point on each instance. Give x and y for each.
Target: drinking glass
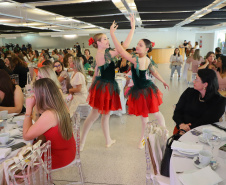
(214, 139)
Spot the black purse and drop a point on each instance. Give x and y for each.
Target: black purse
(165, 165)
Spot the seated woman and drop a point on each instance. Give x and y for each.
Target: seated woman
(122, 65)
(78, 82)
(48, 72)
(88, 57)
(11, 96)
(20, 67)
(194, 61)
(63, 76)
(209, 62)
(54, 122)
(221, 73)
(200, 105)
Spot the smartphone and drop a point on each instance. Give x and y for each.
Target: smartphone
(17, 146)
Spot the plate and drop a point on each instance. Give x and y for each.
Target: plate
(198, 165)
(188, 153)
(12, 141)
(18, 118)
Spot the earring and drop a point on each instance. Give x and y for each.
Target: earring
(204, 88)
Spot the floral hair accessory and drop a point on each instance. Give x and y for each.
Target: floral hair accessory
(91, 41)
(153, 44)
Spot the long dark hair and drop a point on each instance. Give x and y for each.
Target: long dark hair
(223, 59)
(209, 76)
(7, 86)
(175, 52)
(148, 44)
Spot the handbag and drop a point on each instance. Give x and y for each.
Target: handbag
(165, 165)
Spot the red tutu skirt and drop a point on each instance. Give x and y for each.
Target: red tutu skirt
(145, 104)
(104, 100)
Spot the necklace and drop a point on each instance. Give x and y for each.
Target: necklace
(200, 98)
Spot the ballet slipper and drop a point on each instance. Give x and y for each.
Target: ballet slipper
(141, 144)
(112, 142)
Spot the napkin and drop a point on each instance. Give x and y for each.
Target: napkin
(204, 176)
(14, 132)
(186, 147)
(4, 152)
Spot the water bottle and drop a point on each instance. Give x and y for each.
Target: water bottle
(28, 86)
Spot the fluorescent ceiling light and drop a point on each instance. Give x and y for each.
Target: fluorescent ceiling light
(44, 12)
(70, 36)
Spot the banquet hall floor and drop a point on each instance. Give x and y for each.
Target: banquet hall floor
(123, 163)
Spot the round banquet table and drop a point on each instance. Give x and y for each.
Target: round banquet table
(179, 164)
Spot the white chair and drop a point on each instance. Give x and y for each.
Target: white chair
(155, 142)
(31, 168)
(84, 110)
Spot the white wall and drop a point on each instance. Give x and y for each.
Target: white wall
(207, 42)
(162, 39)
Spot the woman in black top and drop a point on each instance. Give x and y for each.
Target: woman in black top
(200, 105)
(122, 65)
(20, 67)
(11, 96)
(88, 57)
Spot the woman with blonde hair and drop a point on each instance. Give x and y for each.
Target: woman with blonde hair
(78, 81)
(193, 62)
(54, 123)
(48, 72)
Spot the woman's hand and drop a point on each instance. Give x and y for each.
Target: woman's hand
(30, 103)
(113, 27)
(165, 85)
(132, 21)
(207, 62)
(185, 127)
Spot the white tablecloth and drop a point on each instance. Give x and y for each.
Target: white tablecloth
(178, 164)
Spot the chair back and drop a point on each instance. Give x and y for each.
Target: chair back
(33, 167)
(155, 142)
(76, 131)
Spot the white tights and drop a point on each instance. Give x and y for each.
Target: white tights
(93, 116)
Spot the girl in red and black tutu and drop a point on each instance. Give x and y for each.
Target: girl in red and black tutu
(144, 97)
(104, 91)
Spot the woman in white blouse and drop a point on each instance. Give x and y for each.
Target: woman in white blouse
(78, 83)
(175, 62)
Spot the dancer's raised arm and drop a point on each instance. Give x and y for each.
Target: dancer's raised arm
(127, 42)
(118, 46)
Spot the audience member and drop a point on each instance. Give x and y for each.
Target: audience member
(54, 123)
(200, 105)
(20, 67)
(209, 62)
(63, 76)
(175, 62)
(11, 96)
(88, 57)
(221, 73)
(122, 65)
(218, 52)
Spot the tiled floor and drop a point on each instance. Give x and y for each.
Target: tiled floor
(123, 163)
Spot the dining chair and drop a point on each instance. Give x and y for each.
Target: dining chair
(75, 120)
(33, 167)
(84, 110)
(155, 142)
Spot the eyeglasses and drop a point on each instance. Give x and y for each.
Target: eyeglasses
(58, 65)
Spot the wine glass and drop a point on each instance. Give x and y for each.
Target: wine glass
(213, 139)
